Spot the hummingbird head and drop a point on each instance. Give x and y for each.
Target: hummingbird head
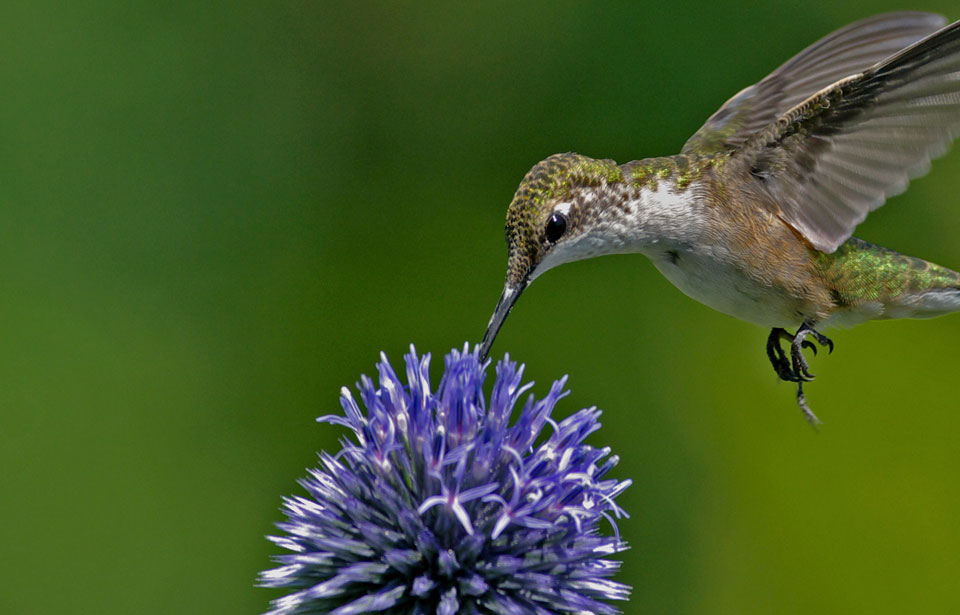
(547, 220)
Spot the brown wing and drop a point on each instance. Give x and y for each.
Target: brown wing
(832, 159)
(840, 54)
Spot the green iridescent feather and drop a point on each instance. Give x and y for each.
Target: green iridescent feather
(859, 271)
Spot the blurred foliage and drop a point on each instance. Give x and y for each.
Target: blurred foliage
(216, 214)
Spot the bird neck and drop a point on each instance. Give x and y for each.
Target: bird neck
(659, 203)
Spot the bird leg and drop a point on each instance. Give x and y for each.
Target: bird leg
(795, 368)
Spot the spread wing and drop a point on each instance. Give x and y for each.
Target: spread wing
(835, 157)
(841, 54)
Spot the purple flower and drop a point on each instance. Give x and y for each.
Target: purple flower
(441, 506)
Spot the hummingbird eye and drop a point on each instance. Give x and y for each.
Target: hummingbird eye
(556, 227)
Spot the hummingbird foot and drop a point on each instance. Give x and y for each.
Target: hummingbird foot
(799, 342)
(794, 368)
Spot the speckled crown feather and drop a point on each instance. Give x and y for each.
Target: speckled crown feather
(549, 181)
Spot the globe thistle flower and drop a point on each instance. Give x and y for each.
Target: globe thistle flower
(442, 506)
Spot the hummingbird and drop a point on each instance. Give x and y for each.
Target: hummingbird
(755, 216)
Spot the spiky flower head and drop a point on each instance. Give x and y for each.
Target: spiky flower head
(441, 505)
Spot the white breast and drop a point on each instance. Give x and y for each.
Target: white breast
(706, 275)
(689, 257)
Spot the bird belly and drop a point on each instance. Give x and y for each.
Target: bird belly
(726, 287)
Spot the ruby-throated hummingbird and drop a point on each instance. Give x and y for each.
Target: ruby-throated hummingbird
(754, 217)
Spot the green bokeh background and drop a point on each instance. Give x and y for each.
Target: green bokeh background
(216, 214)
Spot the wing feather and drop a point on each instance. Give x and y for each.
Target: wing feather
(845, 52)
(833, 158)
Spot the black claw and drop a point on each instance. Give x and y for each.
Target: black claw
(778, 358)
(800, 365)
(804, 371)
(822, 339)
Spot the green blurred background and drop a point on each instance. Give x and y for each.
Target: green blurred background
(216, 214)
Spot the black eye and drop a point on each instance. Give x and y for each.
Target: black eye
(556, 227)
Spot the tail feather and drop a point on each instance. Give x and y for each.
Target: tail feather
(871, 282)
(935, 302)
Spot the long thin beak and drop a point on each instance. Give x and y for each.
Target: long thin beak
(510, 295)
